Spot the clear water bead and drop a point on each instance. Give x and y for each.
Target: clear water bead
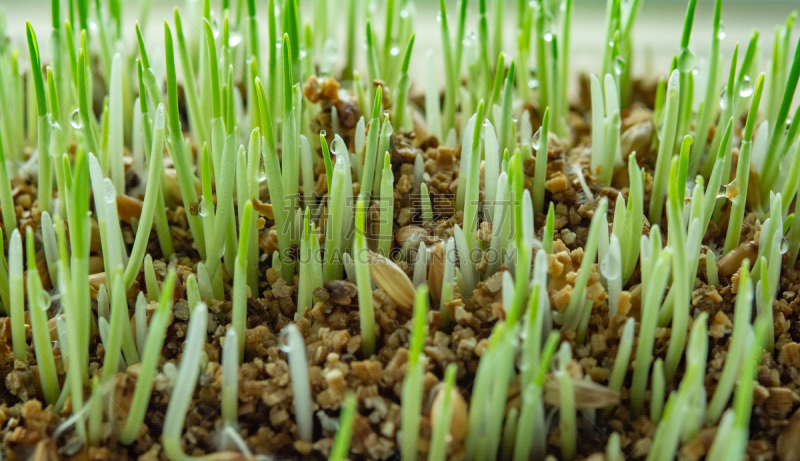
(686, 61)
(619, 65)
(535, 141)
(533, 83)
(721, 31)
(747, 87)
(784, 245)
(723, 98)
(234, 38)
(45, 300)
(394, 51)
(323, 133)
(548, 36)
(75, 119)
(202, 210)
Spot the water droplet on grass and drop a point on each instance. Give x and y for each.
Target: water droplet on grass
(721, 31)
(202, 210)
(234, 38)
(75, 119)
(533, 83)
(747, 87)
(723, 98)
(394, 51)
(619, 65)
(784, 245)
(535, 141)
(45, 300)
(686, 61)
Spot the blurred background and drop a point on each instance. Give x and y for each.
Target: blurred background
(657, 31)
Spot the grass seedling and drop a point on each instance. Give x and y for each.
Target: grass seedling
(412, 385)
(776, 148)
(295, 348)
(387, 208)
(239, 296)
(652, 294)
(677, 241)
(539, 142)
(401, 118)
(341, 443)
(742, 172)
(741, 328)
(45, 183)
(531, 417)
(154, 172)
(710, 101)
(6, 200)
(152, 352)
(177, 151)
(17, 297)
(566, 412)
(361, 263)
(665, 148)
(185, 384)
(571, 316)
(38, 303)
(628, 220)
(441, 427)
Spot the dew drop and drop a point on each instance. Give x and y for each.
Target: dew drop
(386, 113)
(686, 61)
(202, 210)
(721, 31)
(747, 87)
(619, 65)
(394, 51)
(723, 98)
(303, 54)
(215, 27)
(404, 14)
(486, 122)
(234, 38)
(784, 245)
(533, 83)
(548, 36)
(323, 133)
(439, 17)
(788, 123)
(75, 119)
(45, 300)
(535, 140)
